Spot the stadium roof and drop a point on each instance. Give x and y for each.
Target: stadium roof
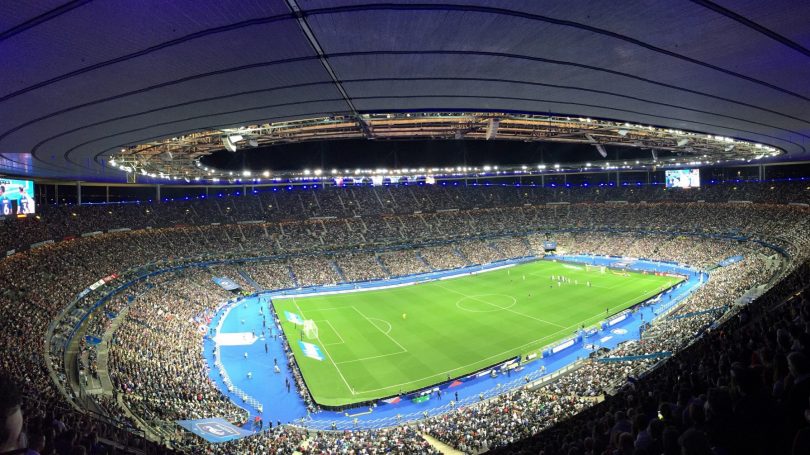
(82, 80)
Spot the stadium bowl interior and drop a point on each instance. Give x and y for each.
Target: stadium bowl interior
(308, 226)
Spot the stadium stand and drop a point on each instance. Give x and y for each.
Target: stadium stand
(745, 398)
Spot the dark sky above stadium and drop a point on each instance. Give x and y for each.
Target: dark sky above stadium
(399, 154)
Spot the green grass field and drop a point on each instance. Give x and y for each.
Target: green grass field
(452, 327)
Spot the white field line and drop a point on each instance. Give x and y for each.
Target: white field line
(399, 285)
(476, 272)
(500, 354)
(464, 367)
(375, 326)
(372, 357)
(386, 323)
(342, 341)
(443, 373)
(496, 306)
(349, 291)
(327, 354)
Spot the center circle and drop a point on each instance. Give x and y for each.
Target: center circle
(486, 303)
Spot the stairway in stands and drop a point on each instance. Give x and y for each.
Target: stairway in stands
(498, 252)
(461, 254)
(424, 261)
(292, 276)
(529, 250)
(440, 446)
(249, 280)
(385, 269)
(338, 270)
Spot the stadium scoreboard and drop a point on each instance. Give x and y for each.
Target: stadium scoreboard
(16, 197)
(683, 178)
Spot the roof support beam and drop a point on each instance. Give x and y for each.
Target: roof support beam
(302, 22)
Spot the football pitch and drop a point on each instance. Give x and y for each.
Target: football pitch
(379, 343)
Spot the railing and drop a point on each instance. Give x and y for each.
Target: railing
(530, 381)
(224, 373)
(232, 387)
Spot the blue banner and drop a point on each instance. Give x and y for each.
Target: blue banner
(214, 430)
(310, 350)
(730, 260)
(92, 339)
(631, 358)
(225, 283)
(294, 318)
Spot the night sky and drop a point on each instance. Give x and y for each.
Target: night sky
(350, 154)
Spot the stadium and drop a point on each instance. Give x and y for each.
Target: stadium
(337, 227)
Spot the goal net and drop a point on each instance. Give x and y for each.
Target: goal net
(310, 329)
(595, 268)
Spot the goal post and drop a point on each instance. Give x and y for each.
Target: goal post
(310, 329)
(595, 268)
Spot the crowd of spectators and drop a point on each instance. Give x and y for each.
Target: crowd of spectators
(443, 257)
(360, 266)
(513, 247)
(574, 391)
(478, 251)
(314, 270)
(150, 362)
(269, 274)
(45, 429)
(403, 262)
(59, 222)
(285, 440)
(742, 388)
(41, 283)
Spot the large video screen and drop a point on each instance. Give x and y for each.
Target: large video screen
(16, 197)
(683, 178)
